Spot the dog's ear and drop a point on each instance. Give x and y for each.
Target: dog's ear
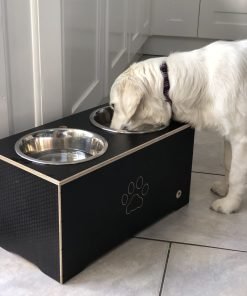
(131, 98)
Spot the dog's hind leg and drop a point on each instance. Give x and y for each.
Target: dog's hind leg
(221, 187)
(237, 178)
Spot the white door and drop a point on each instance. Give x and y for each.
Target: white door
(139, 24)
(82, 61)
(223, 19)
(116, 40)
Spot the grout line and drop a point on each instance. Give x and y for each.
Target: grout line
(190, 244)
(206, 173)
(165, 269)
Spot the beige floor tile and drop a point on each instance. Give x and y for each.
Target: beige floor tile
(208, 153)
(197, 224)
(200, 271)
(134, 268)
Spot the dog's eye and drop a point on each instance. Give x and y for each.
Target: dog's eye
(112, 106)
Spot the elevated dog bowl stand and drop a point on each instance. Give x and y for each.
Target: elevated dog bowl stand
(62, 218)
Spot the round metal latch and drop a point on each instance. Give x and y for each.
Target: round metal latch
(179, 193)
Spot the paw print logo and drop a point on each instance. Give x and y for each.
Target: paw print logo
(134, 199)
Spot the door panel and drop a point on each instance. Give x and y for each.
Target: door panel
(19, 63)
(139, 25)
(81, 58)
(116, 39)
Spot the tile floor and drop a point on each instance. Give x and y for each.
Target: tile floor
(193, 251)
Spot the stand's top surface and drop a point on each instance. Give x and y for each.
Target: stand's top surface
(119, 145)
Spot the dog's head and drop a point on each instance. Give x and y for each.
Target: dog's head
(135, 101)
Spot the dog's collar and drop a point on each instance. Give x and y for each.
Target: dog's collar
(166, 86)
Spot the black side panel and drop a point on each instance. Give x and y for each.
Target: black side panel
(109, 205)
(29, 218)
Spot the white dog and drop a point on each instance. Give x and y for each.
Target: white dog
(206, 88)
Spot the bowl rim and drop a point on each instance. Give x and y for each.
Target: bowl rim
(35, 160)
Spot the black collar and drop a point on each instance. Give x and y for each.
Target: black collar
(166, 86)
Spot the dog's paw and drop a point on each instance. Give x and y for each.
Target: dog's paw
(220, 188)
(133, 200)
(226, 205)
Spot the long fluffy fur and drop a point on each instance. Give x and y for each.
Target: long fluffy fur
(208, 89)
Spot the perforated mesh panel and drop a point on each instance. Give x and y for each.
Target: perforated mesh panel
(29, 218)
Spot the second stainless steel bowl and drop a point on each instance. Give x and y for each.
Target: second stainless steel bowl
(102, 117)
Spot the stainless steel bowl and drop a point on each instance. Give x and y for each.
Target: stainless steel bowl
(60, 146)
(102, 117)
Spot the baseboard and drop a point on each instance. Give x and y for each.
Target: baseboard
(163, 46)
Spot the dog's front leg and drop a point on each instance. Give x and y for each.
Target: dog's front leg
(237, 179)
(221, 187)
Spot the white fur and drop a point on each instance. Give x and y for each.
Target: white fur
(208, 89)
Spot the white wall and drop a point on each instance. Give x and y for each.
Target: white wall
(4, 108)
